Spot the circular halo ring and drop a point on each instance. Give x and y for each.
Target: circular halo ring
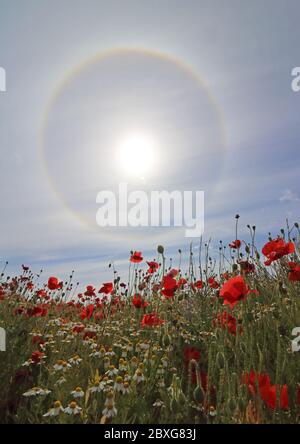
(102, 56)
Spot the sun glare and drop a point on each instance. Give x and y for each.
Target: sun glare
(136, 154)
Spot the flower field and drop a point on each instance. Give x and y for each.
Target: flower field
(209, 344)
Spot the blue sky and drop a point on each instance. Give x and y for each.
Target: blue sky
(244, 53)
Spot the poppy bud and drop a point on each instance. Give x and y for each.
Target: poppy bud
(220, 360)
(232, 405)
(198, 395)
(247, 249)
(166, 340)
(243, 347)
(296, 224)
(173, 405)
(242, 404)
(160, 249)
(234, 267)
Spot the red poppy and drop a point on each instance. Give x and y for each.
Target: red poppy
(266, 390)
(247, 267)
(106, 288)
(151, 320)
(37, 356)
(29, 285)
(181, 282)
(228, 322)
(99, 315)
(138, 302)
(136, 257)
(294, 273)
(90, 291)
(41, 293)
(213, 283)
(78, 328)
(153, 266)
(37, 311)
(198, 284)
(173, 273)
(169, 286)
(276, 249)
(235, 244)
(38, 339)
(54, 284)
(87, 312)
(234, 290)
(225, 275)
(190, 353)
(89, 334)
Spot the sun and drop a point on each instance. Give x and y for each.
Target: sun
(136, 154)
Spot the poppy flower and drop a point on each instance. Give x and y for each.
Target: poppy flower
(106, 288)
(29, 285)
(37, 311)
(228, 322)
(198, 284)
(54, 284)
(247, 267)
(276, 249)
(294, 273)
(90, 291)
(151, 320)
(41, 293)
(190, 353)
(225, 275)
(78, 328)
(169, 286)
(153, 266)
(87, 312)
(173, 273)
(89, 334)
(136, 257)
(235, 244)
(138, 302)
(213, 283)
(37, 339)
(37, 356)
(266, 390)
(234, 290)
(181, 282)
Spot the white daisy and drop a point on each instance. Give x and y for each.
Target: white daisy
(55, 410)
(73, 409)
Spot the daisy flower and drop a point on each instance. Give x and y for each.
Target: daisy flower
(77, 393)
(61, 365)
(55, 410)
(35, 391)
(73, 408)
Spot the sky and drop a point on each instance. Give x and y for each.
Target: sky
(209, 81)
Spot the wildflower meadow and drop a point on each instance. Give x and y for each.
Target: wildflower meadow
(209, 344)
